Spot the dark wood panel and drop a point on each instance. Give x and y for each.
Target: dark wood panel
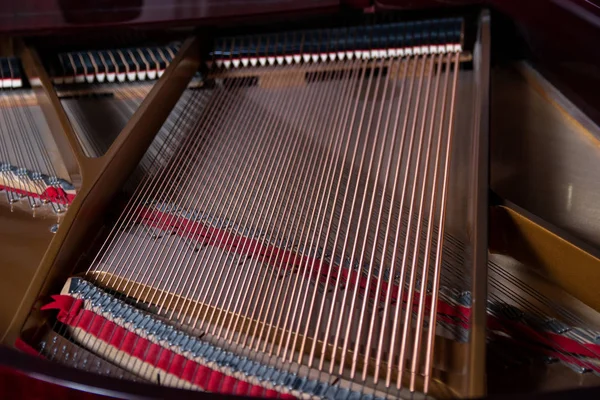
(35, 16)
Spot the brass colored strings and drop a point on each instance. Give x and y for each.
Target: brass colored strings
(177, 167)
(152, 186)
(299, 186)
(121, 223)
(348, 174)
(172, 199)
(259, 143)
(335, 187)
(142, 189)
(298, 147)
(261, 160)
(325, 183)
(440, 233)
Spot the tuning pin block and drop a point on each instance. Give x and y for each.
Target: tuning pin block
(116, 65)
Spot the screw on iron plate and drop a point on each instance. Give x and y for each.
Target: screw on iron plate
(54, 228)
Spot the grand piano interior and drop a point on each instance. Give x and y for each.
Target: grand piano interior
(318, 199)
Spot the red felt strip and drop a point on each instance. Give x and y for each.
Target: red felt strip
(287, 259)
(164, 356)
(70, 312)
(256, 391)
(202, 376)
(176, 367)
(582, 362)
(565, 344)
(228, 385)
(241, 388)
(214, 382)
(55, 195)
(455, 314)
(189, 371)
(67, 307)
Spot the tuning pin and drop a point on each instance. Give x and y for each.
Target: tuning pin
(33, 202)
(11, 197)
(58, 208)
(578, 368)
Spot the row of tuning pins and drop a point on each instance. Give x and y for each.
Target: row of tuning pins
(15, 195)
(35, 203)
(321, 57)
(389, 40)
(118, 65)
(55, 350)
